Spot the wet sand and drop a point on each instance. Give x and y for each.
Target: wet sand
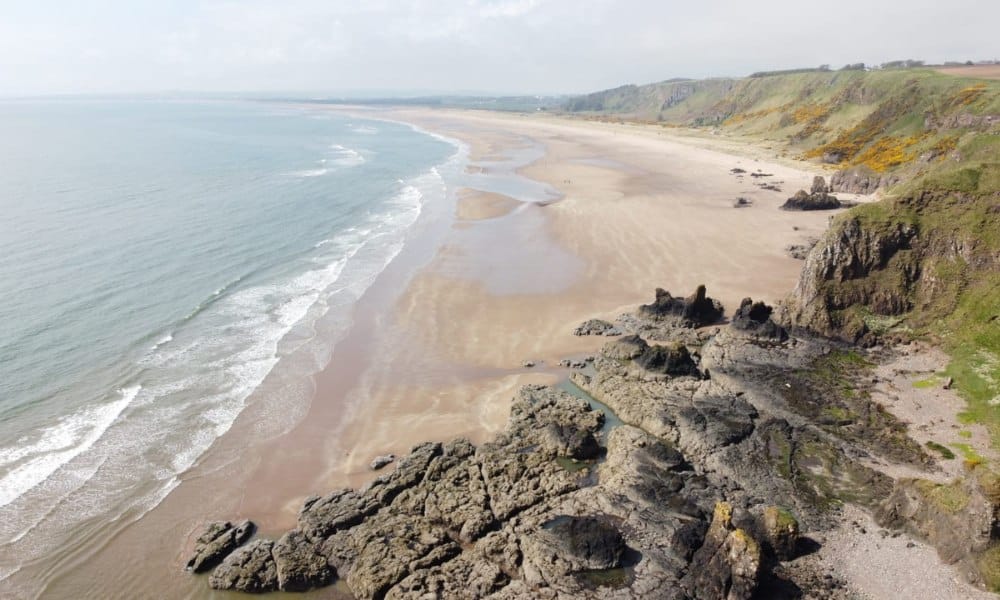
(437, 344)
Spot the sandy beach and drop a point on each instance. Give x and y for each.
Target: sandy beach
(438, 343)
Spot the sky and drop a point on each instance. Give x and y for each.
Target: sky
(330, 47)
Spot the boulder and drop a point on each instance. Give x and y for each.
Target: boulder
(218, 540)
(673, 360)
(694, 311)
(781, 532)
(580, 543)
(248, 569)
(815, 201)
(755, 318)
(626, 347)
(299, 563)
(819, 186)
(727, 566)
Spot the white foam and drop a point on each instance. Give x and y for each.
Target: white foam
(57, 445)
(364, 129)
(345, 157)
(163, 340)
(195, 386)
(311, 172)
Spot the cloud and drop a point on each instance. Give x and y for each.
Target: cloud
(488, 45)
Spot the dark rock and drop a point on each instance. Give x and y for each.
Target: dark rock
(727, 566)
(584, 542)
(694, 311)
(819, 186)
(342, 509)
(674, 360)
(742, 202)
(218, 540)
(781, 532)
(248, 569)
(755, 318)
(381, 461)
(816, 201)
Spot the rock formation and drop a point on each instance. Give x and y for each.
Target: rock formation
(730, 445)
(218, 540)
(694, 311)
(818, 198)
(597, 327)
(754, 318)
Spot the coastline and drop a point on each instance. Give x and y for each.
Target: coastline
(440, 355)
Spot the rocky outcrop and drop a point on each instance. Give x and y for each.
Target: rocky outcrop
(780, 531)
(818, 198)
(754, 318)
(676, 497)
(218, 540)
(727, 565)
(854, 265)
(696, 310)
(249, 569)
(959, 518)
(861, 180)
(597, 327)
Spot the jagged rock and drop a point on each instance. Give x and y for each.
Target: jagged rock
(597, 327)
(570, 441)
(727, 565)
(461, 579)
(781, 532)
(815, 201)
(819, 186)
(381, 461)
(860, 180)
(218, 540)
(694, 311)
(512, 519)
(833, 274)
(755, 318)
(342, 509)
(248, 569)
(299, 563)
(625, 348)
(673, 360)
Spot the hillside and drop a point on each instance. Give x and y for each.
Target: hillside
(924, 261)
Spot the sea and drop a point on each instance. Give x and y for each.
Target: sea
(160, 259)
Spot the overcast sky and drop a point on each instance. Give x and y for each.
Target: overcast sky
(500, 46)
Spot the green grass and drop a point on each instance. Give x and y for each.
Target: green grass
(944, 451)
(951, 497)
(989, 567)
(972, 458)
(924, 384)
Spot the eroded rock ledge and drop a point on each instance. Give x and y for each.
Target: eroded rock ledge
(734, 440)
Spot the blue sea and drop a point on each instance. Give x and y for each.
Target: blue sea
(158, 260)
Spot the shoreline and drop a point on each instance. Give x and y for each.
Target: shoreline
(487, 316)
